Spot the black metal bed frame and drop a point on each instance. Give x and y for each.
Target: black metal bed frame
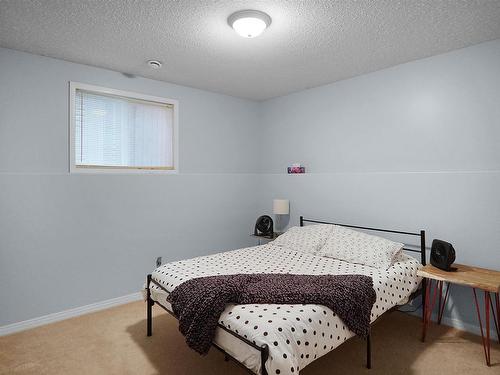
(264, 349)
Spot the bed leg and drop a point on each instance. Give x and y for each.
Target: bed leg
(149, 302)
(264, 354)
(368, 352)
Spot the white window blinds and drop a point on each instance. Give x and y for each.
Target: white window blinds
(120, 132)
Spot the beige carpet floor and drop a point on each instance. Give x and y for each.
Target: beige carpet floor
(114, 342)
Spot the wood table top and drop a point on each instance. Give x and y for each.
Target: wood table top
(475, 277)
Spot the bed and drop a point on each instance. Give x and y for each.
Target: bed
(283, 339)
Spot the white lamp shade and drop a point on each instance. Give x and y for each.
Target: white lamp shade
(281, 206)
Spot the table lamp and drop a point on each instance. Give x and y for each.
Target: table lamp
(280, 207)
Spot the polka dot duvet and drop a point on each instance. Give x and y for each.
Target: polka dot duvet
(296, 334)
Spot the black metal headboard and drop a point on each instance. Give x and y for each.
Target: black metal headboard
(421, 234)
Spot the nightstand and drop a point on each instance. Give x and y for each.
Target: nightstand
(476, 278)
(264, 239)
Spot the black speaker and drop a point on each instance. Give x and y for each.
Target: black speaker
(442, 255)
(264, 226)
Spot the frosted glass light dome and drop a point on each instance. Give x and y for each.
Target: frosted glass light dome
(249, 23)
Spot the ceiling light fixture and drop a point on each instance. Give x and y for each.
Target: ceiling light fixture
(249, 23)
(154, 64)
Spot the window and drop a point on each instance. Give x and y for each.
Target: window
(113, 130)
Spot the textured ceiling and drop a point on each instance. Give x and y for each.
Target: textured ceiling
(309, 43)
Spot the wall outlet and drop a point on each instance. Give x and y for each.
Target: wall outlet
(158, 262)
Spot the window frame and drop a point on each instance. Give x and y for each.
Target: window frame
(73, 168)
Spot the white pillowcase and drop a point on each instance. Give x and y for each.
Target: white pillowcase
(361, 248)
(309, 239)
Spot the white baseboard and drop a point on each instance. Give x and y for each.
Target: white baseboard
(66, 314)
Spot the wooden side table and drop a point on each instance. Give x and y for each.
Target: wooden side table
(477, 278)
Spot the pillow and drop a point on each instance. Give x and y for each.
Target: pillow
(308, 239)
(358, 247)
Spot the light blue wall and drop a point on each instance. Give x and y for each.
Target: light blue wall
(416, 146)
(71, 240)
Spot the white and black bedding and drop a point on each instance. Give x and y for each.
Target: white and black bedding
(198, 302)
(295, 334)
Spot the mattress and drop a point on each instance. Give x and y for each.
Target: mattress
(296, 334)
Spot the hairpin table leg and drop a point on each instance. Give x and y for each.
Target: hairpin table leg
(429, 304)
(497, 299)
(487, 310)
(442, 307)
(424, 289)
(486, 341)
(440, 301)
(496, 313)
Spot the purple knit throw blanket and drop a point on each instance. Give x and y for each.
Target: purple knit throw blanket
(198, 303)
